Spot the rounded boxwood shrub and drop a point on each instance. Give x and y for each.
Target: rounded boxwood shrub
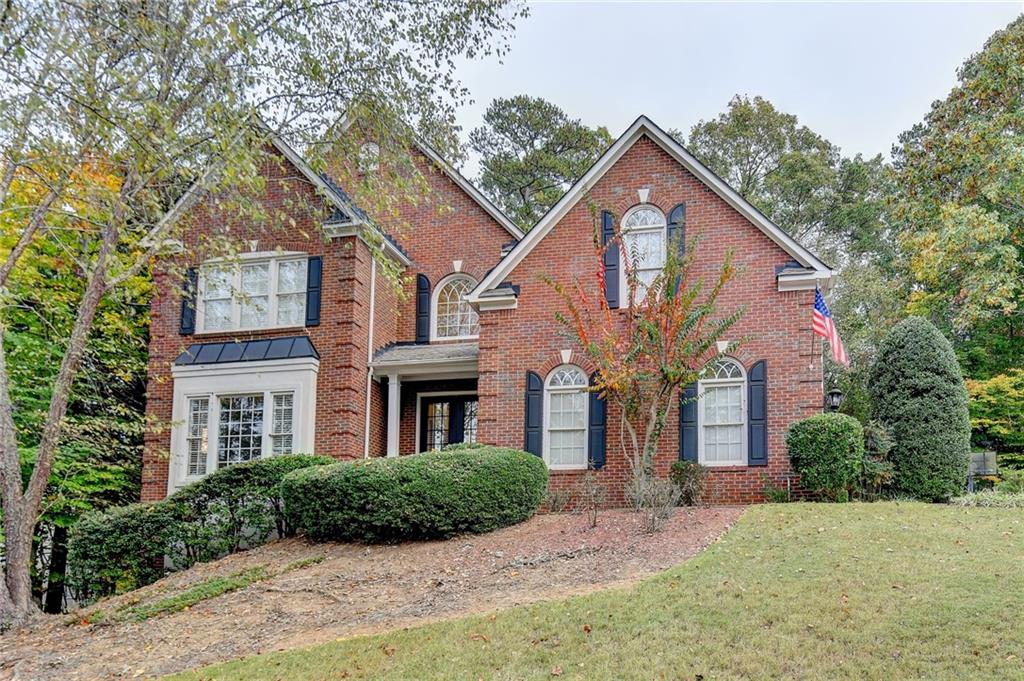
(235, 507)
(918, 394)
(431, 495)
(827, 450)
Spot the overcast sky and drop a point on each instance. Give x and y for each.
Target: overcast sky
(857, 73)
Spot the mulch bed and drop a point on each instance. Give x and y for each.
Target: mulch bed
(357, 589)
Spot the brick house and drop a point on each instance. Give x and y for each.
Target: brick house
(299, 346)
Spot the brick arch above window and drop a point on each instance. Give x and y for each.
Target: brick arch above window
(577, 357)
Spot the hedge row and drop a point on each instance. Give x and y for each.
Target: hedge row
(233, 508)
(433, 495)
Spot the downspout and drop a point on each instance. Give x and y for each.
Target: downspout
(369, 356)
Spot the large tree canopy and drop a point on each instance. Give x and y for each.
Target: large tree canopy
(960, 177)
(531, 152)
(115, 116)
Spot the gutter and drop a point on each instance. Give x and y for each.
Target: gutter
(369, 357)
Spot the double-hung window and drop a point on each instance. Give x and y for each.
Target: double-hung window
(644, 241)
(254, 293)
(453, 316)
(722, 414)
(565, 418)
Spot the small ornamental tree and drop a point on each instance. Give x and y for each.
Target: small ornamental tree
(918, 393)
(656, 344)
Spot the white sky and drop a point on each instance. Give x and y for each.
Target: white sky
(857, 73)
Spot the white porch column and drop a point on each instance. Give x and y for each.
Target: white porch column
(394, 412)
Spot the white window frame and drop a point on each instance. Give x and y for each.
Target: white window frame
(623, 231)
(546, 416)
(435, 297)
(274, 260)
(702, 387)
(267, 378)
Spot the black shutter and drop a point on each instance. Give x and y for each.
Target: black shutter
(422, 309)
(189, 291)
(688, 424)
(611, 260)
(596, 428)
(534, 417)
(757, 415)
(677, 233)
(314, 275)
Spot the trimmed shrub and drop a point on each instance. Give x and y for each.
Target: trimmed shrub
(827, 450)
(233, 508)
(691, 478)
(431, 495)
(918, 394)
(119, 550)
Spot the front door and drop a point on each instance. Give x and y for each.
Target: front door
(447, 419)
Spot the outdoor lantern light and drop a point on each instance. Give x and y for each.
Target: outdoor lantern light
(833, 398)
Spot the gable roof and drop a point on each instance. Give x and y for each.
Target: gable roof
(460, 181)
(642, 127)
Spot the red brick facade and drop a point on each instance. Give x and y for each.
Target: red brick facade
(453, 227)
(775, 326)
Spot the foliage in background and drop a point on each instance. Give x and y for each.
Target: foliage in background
(691, 478)
(531, 152)
(960, 182)
(837, 206)
(439, 494)
(989, 499)
(997, 412)
(232, 509)
(827, 451)
(918, 394)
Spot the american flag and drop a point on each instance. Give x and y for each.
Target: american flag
(823, 325)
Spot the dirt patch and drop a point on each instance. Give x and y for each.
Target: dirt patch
(356, 589)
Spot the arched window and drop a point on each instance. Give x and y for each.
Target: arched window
(369, 157)
(722, 414)
(565, 418)
(643, 239)
(453, 316)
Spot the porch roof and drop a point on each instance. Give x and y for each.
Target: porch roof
(423, 358)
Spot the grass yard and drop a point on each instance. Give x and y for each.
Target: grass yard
(796, 591)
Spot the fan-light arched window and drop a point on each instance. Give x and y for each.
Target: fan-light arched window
(453, 316)
(722, 414)
(644, 237)
(566, 403)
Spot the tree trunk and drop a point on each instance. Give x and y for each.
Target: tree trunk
(16, 605)
(53, 601)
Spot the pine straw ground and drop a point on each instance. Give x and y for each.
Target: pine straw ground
(292, 593)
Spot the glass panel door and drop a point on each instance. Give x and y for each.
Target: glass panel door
(447, 420)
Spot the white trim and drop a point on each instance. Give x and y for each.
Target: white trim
(369, 359)
(802, 281)
(641, 127)
(435, 294)
(441, 393)
(240, 378)
(394, 419)
(546, 417)
(742, 382)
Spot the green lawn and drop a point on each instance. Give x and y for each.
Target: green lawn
(796, 591)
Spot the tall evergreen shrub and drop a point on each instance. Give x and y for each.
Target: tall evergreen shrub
(918, 393)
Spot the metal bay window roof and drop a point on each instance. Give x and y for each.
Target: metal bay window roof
(292, 347)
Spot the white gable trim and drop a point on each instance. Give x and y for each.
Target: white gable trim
(644, 126)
